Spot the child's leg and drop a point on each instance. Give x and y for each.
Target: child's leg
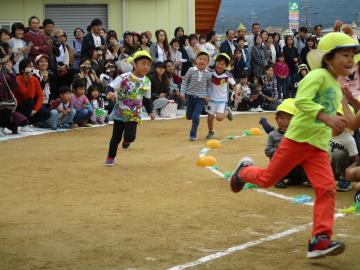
(318, 169)
(199, 105)
(69, 118)
(118, 129)
(210, 122)
(340, 160)
(190, 106)
(286, 157)
(130, 131)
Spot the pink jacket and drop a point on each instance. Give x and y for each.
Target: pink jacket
(281, 69)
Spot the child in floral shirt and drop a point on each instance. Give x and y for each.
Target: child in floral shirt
(129, 90)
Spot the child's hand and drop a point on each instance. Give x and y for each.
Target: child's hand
(336, 123)
(152, 116)
(111, 96)
(84, 106)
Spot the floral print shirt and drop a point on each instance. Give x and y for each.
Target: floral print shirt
(130, 91)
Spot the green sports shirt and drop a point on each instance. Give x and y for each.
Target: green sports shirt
(318, 91)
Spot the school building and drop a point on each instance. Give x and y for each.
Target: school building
(118, 15)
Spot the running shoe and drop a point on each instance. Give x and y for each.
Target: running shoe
(236, 183)
(321, 246)
(343, 185)
(110, 162)
(210, 135)
(229, 114)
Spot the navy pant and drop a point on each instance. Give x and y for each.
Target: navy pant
(194, 107)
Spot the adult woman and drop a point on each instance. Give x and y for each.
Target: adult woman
(179, 31)
(176, 55)
(114, 48)
(184, 40)
(210, 46)
(276, 38)
(193, 49)
(46, 78)
(264, 35)
(258, 57)
(310, 44)
(87, 73)
(18, 46)
(271, 49)
(130, 46)
(5, 51)
(160, 50)
(76, 47)
(291, 55)
(144, 41)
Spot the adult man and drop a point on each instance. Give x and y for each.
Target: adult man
(92, 40)
(255, 29)
(300, 39)
(317, 30)
(228, 46)
(36, 39)
(48, 26)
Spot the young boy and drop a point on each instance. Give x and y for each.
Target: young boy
(284, 113)
(241, 90)
(343, 155)
(307, 138)
(196, 85)
(62, 107)
(130, 89)
(221, 79)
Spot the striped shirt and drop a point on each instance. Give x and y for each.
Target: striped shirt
(196, 83)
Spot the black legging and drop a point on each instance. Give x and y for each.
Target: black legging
(27, 106)
(120, 127)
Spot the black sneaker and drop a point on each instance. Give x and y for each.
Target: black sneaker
(321, 246)
(343, 185)
(357, 196)
(210, 135)
(280, 184)
(236, 183)
(125, 145)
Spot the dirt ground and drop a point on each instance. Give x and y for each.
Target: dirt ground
(61, 208)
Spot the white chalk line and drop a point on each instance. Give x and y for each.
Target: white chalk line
(246, 245)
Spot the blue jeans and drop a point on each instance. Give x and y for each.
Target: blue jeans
(194, 106)
(83, 114)
(290, 85)
(282, 87)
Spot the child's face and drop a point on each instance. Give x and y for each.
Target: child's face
(342, 62)
(220, 66)
(243, 81)
(281, 59)
(65, 97)
(169, 67)
(95, 94)
(80, 91)
(238, 55)
(159, 71)
(283, 120)
(269, 72)
(303, 72)
(142, 67)
(202, 61)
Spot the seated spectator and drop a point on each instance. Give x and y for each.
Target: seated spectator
(269, 83)
(160, 50)
(210, 47)
(176, 56)
(255, 101)
(36, 39)
(46, 78)
(81, 103)
(241, 90)
(144, 41)
(87, 73)
(18, 46)
(193, 49)
(29, 95)
(159, 87)
(9, 118)
(93, 40)
(5, 50)
(184, 43)
(174, 83)
(113, 46)
(97, 62)
(62, 112)
(99, 116)
(75, 45)
(303, 70)
(129, 45)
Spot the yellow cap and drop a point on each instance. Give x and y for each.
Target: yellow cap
(241, 27)
(139, 54)
(288, 106)
(223, 54)
(329, 42)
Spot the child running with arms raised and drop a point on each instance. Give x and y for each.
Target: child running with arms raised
(196, 84)
(306, 140)
(129, 89)
(216, 106)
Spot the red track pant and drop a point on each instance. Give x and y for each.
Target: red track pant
(318, 170)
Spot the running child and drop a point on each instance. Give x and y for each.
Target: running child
(306, 140)
(130, 89)
(196, 85)
(221, 79)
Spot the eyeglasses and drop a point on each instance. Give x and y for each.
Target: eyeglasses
(63, 35)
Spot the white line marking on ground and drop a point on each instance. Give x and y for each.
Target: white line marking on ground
(246, 245)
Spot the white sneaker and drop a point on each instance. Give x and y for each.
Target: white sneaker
(2, 133)
(7, 131)
(258, 109)
(26, 129)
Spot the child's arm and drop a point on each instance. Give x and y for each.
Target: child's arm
(185, 83)
(270, 147)
(147, 101)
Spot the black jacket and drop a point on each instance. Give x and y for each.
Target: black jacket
(88, 43)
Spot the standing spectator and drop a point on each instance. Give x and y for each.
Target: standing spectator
(5, 50)
(281, 72)
(29, 95)
(228, 46)
(76, 46)
(93, 39)
(36, 39)
(264, 35)
(193, 49)
(244, 53)
(188, 64)
(48, 27)
(103, 33)
(239, 65)
(272, 49)
(255, 29)
(144, 41)
(292, 59)
(317, 30)
(63, 60)
(310, 45)
(258, 57)
(210, 46)
(129, 45)
(278, 48)
(46, 78)
(136, 37)
(18, 46)
(176, 55)
(160, 50)
(241, 32)
(179, 31)
(300, 39)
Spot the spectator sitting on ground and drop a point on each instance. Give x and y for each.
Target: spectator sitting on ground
(174, 83)
(81, 104)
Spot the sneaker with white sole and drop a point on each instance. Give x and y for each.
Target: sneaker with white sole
(343, 185)
(2, 133)
(26, 129)
(210, 135)
(229, 114)
(236, 183)
(322, 246)
(258, 109)
(110, 162)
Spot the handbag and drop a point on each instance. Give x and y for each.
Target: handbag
(10, 104)
(170, 110)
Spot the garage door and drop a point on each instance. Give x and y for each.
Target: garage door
(68, 17)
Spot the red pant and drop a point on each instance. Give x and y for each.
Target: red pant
(317, 167)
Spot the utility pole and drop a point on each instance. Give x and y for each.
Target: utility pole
(222, 18)
(305, 7)
(253, 16)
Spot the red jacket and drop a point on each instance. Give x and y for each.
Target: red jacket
(40, 45)
(29, 90)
